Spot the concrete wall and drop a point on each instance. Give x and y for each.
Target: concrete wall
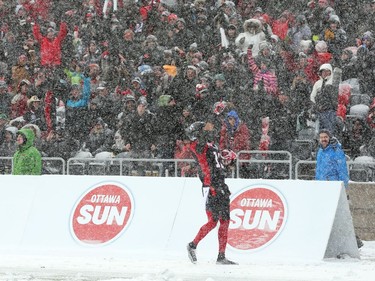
(362, 206)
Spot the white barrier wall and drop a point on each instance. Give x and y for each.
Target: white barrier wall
(120, 216)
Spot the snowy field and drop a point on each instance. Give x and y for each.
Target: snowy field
(38, 268)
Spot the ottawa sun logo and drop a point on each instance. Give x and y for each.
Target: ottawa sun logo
(102, 214)
(258, 214)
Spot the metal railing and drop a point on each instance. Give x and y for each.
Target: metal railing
(367, 168)
(160, 167)
(122, 164)
(48, 167)
(265, 159)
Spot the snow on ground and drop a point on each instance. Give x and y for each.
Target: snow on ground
(42, 268)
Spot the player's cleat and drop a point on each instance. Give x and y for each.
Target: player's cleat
(221, 259)
(191, 247)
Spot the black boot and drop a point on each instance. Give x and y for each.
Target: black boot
(191, 247)
(359, 242)
(221, 259)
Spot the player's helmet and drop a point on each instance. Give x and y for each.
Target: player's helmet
(194, 129)
(228, 157)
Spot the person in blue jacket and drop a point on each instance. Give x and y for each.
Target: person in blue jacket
(330, 160)
(331, 163)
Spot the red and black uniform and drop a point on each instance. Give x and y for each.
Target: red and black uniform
(212, 175)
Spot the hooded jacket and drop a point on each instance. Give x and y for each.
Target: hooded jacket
(235, 138)
(27, 159)
(331, 163)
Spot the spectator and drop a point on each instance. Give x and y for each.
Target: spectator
(221, 89)
(235, 136)
(50, 45)
(100, 137)
(300, 31)
(76, 109)
(35, 113)
(335, 37)
(359, 135)
(138, 133)
(262, 73)
(8, 145)
(168, 128)
(93, 54)
(182, 87)
(5, 98)
(21, 71)
(19, 101)
(365, 64)
(324, 96)
(348, 64)
(57, 144)
(3, 124)
(27, 159)
(331, 161)
(106, 105)
(252, 36)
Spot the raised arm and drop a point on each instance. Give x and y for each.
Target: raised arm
(36, 32)
(251, 61)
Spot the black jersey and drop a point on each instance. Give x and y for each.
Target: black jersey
(212, 172)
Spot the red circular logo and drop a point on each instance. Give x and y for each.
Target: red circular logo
(258, 215)
(102, 214)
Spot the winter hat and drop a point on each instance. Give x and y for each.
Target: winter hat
(142, 100)
(137, 80)
(321, 47)
(334, 19)
(193, 68)
(145, 69)
(24, 82)
(325, 66)
(348, 52)
(301, 19)
(193, 47)
(233, 114)
(152, 38)
(76, 87)
(220, 77)
(258, 10)
(129, 97)
(13, 130)
(99, 121)
(102, 85)
(326, 131)
(3, 84)
(32, 99)
(305, 45)
(264, 45)
(202, 65)
(164, 100)
(172, 17)
(200, 89)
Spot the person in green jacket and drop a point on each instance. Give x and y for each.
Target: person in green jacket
(27, 160)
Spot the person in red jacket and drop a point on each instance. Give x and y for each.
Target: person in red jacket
(50, 45)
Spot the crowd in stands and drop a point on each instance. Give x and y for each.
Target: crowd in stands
(128, 77)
